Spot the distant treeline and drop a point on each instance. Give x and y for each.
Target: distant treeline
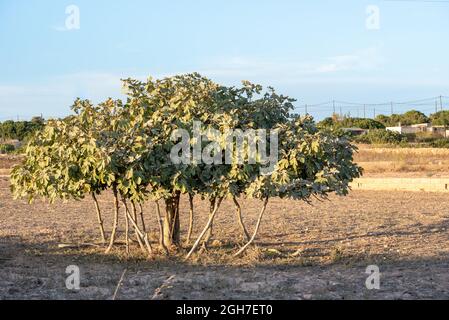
(440, 118)
(20, 130)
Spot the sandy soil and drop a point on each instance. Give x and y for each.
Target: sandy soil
(304, 252)
(8, 161)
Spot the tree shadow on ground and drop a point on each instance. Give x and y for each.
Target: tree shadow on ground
(441, 227)
(38, 271)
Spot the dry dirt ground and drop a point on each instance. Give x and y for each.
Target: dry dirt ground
(303, 252)
(7, 162)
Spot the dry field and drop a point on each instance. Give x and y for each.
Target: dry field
(403, 162)
(304, 252)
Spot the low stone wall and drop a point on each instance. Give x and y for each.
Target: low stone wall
(402, 184)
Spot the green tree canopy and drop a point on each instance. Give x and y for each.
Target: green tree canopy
(348, 122)
(440, 118)
(128, 147)
(406, 119)
(19, 130)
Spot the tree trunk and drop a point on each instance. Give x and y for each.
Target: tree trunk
(100, 219)
(209, 234)
(139, 238)
(126, 232)
(161, 228)
(171, 221)
(238, 211)
(206, 228)
(256, 230)
(114, 226)
(189, 234)
(142, 235)
(141, 218)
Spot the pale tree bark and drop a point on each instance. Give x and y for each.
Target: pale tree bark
(139, 233)
(209, 233)
(144, 228)
(256, 230)
(139, 238)
(99, 218)
(161, 228)
(189, 233)
(238, 211)
(115, 223)
(126, 232)
(206, 228)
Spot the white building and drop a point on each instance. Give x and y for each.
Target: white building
(421, 127)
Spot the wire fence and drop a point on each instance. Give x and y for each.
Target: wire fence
(341, 108)
(371, 110)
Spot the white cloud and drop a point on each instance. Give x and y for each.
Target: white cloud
(364, 60)
(11, 90)
(53, 96)
(56, 94)
(60, 28)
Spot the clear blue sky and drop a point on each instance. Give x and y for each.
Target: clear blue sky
(314, 51)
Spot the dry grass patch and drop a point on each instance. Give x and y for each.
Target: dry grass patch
(416, 161)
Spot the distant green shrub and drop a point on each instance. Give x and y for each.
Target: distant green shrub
(7, 148)
(379, 136)
(440, 143)
(348, 122)
(408, 118)
(20, 130)
(440, 118)
(425, 137)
